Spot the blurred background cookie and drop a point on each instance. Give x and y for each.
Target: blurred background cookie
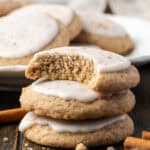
(25, 33)
(99, 30)
(62, 13)
(6, 6)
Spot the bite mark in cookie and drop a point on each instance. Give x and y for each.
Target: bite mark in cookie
(101, 70)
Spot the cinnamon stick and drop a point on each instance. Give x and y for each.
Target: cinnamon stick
(11, 115)
(146, 135)
(132, 142)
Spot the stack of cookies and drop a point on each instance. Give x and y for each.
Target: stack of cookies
(81, 95)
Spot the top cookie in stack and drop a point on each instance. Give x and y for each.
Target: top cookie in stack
(81, 96)
(101, 70)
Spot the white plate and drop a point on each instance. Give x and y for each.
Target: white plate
(12, 78)
(139, 30)
(12, 71)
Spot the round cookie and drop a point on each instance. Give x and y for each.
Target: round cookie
(101, 70)
(99, 30)
(70, 100)
(66, 135)
(6, 6)
(24, 34)
(62, 13)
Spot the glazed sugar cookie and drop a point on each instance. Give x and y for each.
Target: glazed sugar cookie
(99, 30)
(67, 134)
(101, 70)
(6, 6)
(23, 34)
(62, 13)
(64, 99)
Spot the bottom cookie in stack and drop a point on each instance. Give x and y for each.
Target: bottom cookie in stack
(65, 113)
(66, 134)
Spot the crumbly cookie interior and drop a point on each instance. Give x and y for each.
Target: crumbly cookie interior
(63, 67)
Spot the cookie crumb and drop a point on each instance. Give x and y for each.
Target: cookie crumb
(29, 148)
(110, 148)
(81, 146)
(26, 144)
(5, 139)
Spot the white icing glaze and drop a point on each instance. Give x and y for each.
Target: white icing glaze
(98, 24)
(69, 90)
(25, 33)
(66, 89)
(104, 61)
(60, 12)
(31, 119)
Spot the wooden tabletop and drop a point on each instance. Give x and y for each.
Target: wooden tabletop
(10, 138)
